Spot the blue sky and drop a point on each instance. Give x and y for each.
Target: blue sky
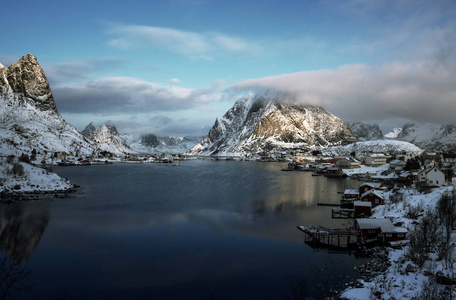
(171, 67)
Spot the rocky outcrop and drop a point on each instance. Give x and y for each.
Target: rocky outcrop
(26, 80)
(366, 132)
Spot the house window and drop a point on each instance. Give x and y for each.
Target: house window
(400, 235)
(376, 200)
(389, 235)
(371, 231)
(436, 182)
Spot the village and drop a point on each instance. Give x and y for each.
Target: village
(397, 199)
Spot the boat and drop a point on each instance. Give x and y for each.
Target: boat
(316, 174)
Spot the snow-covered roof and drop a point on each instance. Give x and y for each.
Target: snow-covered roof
(378, 155)
(373, 192)
(393, 229)
(362, 203)
(375, 185)
(373, 223)
(396, 161)
(351, 192)
(406, 174)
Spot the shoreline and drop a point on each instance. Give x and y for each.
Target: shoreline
(18, 196)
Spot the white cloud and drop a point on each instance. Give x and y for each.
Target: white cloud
(198, 45)
(420, 91)
(174, 81)
(112, 95)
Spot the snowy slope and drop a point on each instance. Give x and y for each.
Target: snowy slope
(32, 179)
(108, 138)
(28, 116)
(430, 136)
(384, 146)
(152, 144)
(258, 123)
(393, 133)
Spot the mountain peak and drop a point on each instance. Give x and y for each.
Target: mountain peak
(27, 80)
(258, 123)
(28, 58)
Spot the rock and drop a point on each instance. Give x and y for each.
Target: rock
(411, 268)
(443, 279)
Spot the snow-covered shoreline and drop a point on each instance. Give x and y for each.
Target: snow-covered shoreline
(23, 181)
(401, 277)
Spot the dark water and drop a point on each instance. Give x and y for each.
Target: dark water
(200, 230)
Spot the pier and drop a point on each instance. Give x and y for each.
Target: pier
(343, 213)
(331, 238)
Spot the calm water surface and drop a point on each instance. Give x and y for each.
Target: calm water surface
(200, 230)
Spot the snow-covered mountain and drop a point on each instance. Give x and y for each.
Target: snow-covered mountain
(28, 115)
(108, 138)
(111, 140)
(393, 133)
(258, 123)
(150, 143)
(430, 136)
(384, 146)
(366, 132)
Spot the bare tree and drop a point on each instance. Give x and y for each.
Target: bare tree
(423, 238)
(13, 278)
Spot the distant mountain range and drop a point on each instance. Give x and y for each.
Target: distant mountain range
(428, 136)
(109, 137)
(256, 123)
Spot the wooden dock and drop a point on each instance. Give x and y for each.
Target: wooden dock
(343, 213)
(330, 238)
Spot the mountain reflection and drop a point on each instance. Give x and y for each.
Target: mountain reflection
(21, 229)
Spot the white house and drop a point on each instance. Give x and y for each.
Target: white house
(375, 160)
(432, 176)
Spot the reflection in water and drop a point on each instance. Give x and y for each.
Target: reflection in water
(21, 229)
(155, 231)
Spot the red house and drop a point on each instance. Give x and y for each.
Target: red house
(362, 208)
(371, 228)
(367, 186)
(392, 233)
(350, 194)
(373, 196)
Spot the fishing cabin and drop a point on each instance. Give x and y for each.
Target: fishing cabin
(373, 196)
(362, 208)
(380, 229)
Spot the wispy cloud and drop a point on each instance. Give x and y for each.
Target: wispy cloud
(398, 30)
(111, 95)
(82, 69)
(198, 45)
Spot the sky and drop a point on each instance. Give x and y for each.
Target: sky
(172, 67)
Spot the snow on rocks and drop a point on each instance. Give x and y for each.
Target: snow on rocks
(20, 180)
(385, 146)
(401, 278)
